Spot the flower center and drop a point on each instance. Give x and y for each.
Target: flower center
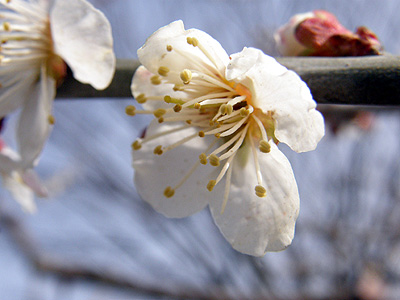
(202, 98)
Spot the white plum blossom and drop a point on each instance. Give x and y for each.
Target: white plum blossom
(214, 140)
(38, 38)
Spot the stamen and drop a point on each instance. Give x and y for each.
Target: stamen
(211, 184)
(228, 143)
(226, 109)
(51, 119)
(206, 97)
(196, 43)
(188, 174)
(260, 191)
(177, 108)
(237, 144)
(158, 150)
(244, 112)
(186, 76)
(178, 87)
(203, 158)
(155, 80)
(163, 71)
(201, 134)
(264, 146)
(227, 188)
(159, 112)
(141, 98)
(261, 127)
(6, 26)
(216, 82)
(180, 142)
(157, 135)
(136, 145)
(192, 41)
(169, 48)
(130, 110)
(224, 169)
(214, 160)
(169, 192)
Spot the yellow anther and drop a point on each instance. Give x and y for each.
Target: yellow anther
(6, 26)
(244, 112)
(160, 120)
(217, 135)
(130, 110)
(51, 119)
(155, 80)
(214, 160)
(211, 184)
(229, 109)
(226, 109)
(141, 98)
(189, 122)
(192, 41)
(177, 108)
(169, 192)
(178, 87)
(260, 191)
(211, 123)
(163, 71)
(186, 76)
(158, 150)
(264, 146)
(201, 133)
(197, 106)
(169, 48)
(168, 99)
(159, 112)
(203, 158)
(136, 145)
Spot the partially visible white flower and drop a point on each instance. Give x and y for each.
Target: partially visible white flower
(214, 141)
(37, 38)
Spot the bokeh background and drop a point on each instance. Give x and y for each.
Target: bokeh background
(94, 238)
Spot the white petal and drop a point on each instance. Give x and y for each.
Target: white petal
(82, 37)
(14, 95)
(32, 180)
(9, 159)
(249, 58)
(297, 123)
(33, 127)
(21, 192)
(154, 54)
(141, 84)
(154, 173)
(255, 225)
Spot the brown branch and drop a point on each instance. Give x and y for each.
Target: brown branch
(366, 80)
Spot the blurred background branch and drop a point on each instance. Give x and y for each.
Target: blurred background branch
(367, 80)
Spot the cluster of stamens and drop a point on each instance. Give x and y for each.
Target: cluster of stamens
(215, 107)
(26, 46)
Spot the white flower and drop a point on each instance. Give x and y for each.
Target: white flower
(37, 37)
(214, 140)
